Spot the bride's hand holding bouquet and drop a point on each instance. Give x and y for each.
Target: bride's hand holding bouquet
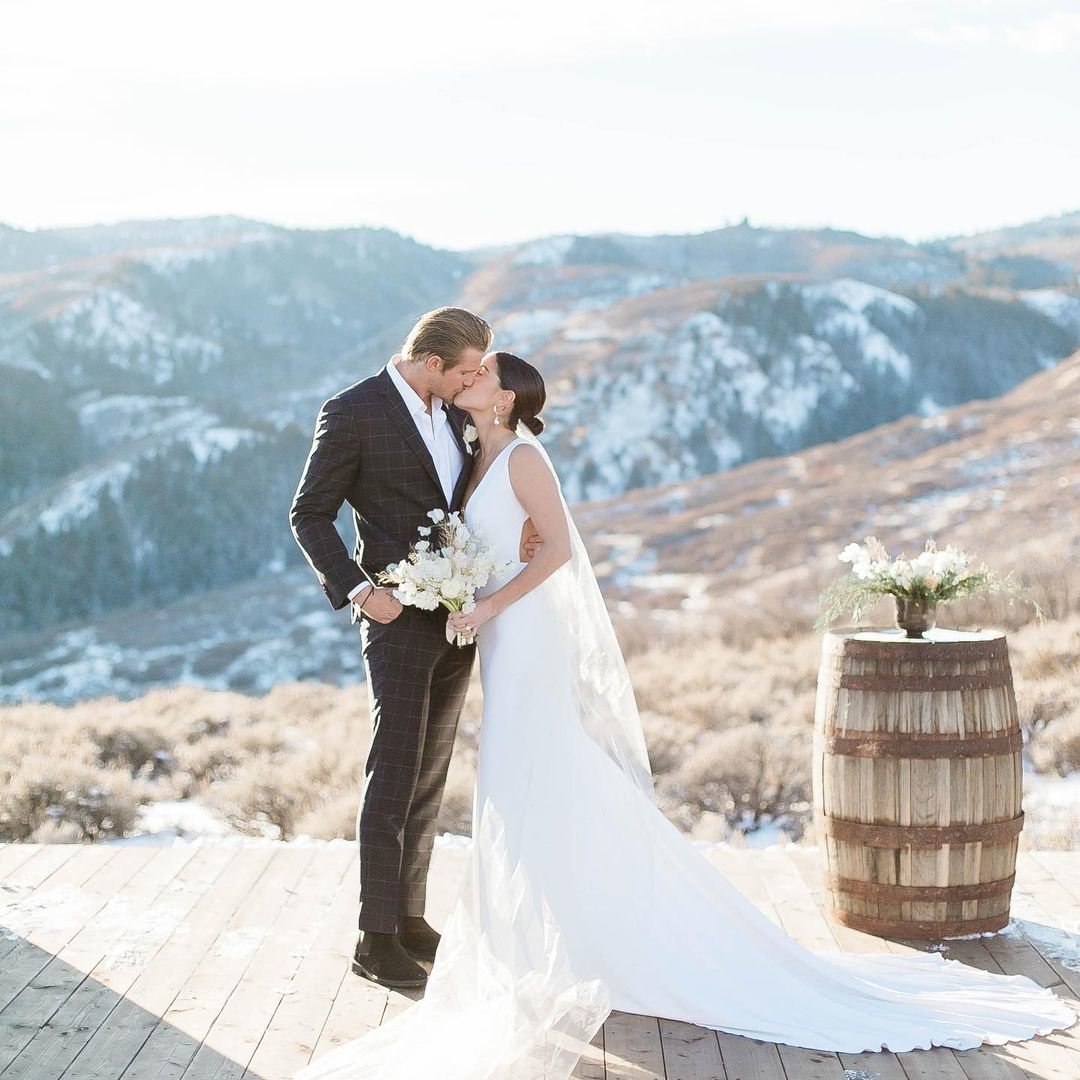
(444, 568)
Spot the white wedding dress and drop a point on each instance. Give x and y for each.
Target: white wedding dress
(581, 897)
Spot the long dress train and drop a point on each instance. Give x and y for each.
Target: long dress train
(581, 897)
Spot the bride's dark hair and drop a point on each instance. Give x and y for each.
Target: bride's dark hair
(529, 393)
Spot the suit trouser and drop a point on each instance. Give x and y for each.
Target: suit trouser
(416, 686)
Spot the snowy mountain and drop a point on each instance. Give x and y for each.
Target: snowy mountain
(160, 379)
(745, 552)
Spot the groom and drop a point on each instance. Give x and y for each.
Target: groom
(391, 446)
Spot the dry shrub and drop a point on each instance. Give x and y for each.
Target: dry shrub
(1046, 668)
(728, 728)
(669, 740)
(1056, 749)
(332, 817)
(89, 801)
(748, 772)
(260, 801)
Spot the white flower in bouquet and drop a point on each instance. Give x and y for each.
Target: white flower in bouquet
(445, 570)
(931, 577)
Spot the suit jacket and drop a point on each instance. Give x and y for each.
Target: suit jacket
(367, 452)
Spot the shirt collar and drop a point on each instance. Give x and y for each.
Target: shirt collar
(413, 401)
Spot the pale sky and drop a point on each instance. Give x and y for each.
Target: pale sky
(481, 121)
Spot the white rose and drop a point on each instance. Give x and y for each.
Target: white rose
(437, 515)
(439, 570)
(852, 553)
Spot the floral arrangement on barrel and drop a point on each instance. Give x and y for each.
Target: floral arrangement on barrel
(919, 584)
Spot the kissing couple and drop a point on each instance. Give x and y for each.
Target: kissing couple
(579, 895)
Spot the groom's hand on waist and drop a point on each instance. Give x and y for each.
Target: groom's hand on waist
(531, 541)
(378, 604)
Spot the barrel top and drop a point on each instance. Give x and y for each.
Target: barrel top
(939, 635)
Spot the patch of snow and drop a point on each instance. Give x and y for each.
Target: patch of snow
(528, 330)
(547, 252)
(213, 442)
(1051, 806)
(78, 498)
(25, 363)
(1062, 308)
(175, 819)
(695, 586)
(164, 259)
(131, 336)
(928, 407)
(119, 418)
(844, 303)
(858, 296)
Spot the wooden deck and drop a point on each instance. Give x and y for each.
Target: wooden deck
(222, 962)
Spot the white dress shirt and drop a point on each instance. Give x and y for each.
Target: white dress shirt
(434, 428)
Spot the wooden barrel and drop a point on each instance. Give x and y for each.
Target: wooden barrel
(917, 781)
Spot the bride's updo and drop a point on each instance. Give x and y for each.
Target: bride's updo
(528, 387)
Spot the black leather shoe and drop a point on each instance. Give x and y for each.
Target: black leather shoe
(381, 958)
(419, 939)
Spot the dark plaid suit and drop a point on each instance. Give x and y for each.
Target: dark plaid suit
(368, 452)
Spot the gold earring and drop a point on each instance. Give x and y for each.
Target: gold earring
(498, 422)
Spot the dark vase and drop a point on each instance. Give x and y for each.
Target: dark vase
(915, 616)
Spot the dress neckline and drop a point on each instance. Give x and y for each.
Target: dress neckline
(487, 472)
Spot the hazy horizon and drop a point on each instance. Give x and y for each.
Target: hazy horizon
(834, 226)
(482, 126)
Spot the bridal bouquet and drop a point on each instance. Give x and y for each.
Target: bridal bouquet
(919, 584)
(444, 567)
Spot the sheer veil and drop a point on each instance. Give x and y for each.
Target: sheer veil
(609, 712)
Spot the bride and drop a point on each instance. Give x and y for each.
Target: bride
(580, 896)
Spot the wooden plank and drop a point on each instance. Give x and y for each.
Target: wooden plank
(234, 1034)
(799, 915)
(1018, 957)
(989, 1063)
(65, 911)
(182, 1027)
(145, 955)
(400, 1001)
(124, 1034)
(803, 1064)
(1043, 893)
(591, 1065)
(870, 1066)
(749, 1059)
(974, 953)
(61, 994)
(31, 911)
(632, 1047)
(690, 1052)
(1062, 866)
(1041, 885)
(741, 870)
(358, 1007)
(937, 1064)
(361, 1005)
(1044, 1059)
(13, 855)
(43, 861)
(290, 1038)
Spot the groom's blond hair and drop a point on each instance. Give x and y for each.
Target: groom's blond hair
(447, 332)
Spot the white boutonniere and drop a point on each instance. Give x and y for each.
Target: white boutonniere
(468, 433)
